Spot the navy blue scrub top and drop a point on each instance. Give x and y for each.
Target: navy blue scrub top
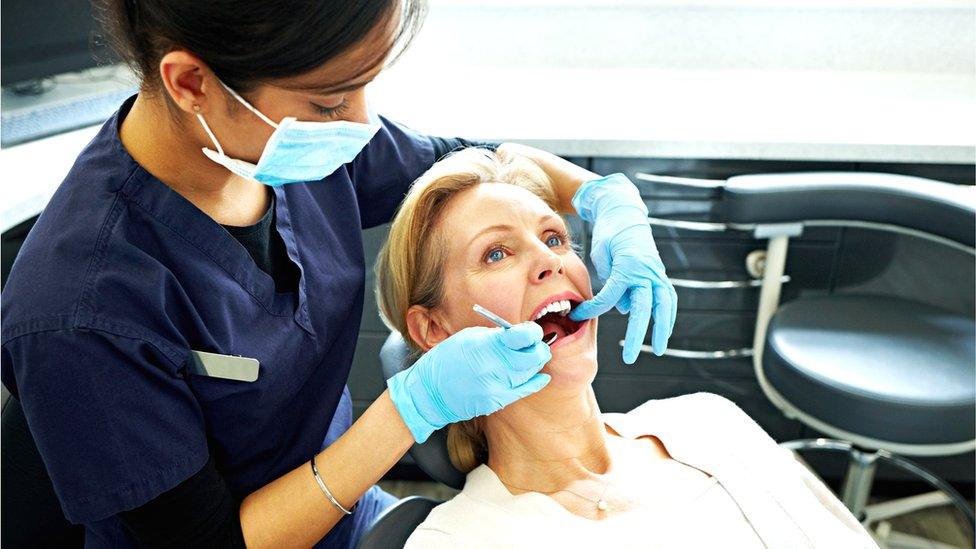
(121, 277)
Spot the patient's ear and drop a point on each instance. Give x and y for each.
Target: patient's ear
(425, 328)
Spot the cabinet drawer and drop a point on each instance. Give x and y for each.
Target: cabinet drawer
(699, 331)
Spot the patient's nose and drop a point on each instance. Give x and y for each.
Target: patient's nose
(549, 264)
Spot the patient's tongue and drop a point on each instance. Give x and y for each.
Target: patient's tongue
(549, 327)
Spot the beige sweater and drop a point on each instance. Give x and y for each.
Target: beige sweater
(758, 494)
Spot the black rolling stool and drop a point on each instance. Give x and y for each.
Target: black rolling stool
(886, 376)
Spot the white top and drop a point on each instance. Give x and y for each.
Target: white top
(757, 494)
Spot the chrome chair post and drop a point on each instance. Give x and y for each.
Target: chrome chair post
(858, 480)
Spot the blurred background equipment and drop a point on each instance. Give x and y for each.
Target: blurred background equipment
(56, 75)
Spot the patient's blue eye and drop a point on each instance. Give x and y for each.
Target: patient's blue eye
(554, 240)
(495, 255)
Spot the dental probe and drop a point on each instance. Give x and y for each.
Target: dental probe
(495, 319)
(501, 322)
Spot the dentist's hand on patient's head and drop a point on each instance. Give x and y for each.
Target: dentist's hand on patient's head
(626, 259)
(474, 372)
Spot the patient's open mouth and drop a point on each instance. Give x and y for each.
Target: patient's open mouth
(555, 321)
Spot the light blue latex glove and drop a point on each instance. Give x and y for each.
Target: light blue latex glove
(474, 372)
(627, 261)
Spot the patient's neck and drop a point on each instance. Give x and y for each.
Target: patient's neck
(548, 440)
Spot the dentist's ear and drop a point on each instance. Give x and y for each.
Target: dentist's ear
(425, 328)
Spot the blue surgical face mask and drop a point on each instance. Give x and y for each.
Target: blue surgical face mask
(297, 150)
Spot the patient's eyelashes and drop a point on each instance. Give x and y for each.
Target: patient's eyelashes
(560, 238)
(495, 255)
(496, 252)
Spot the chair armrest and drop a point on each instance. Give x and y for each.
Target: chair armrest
(934, 207)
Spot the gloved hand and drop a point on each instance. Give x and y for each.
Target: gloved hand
(474, 372)
(626, 259)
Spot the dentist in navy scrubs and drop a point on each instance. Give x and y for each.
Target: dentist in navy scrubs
(180, 323)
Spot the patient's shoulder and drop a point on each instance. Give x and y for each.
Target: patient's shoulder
(453, 523)
(692, 404)
(426, 536)
(694, 414)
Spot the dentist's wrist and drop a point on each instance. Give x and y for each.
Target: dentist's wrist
(565, 176)
(607, 192)
(411, 400)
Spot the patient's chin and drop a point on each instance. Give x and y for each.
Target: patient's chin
(569, 372)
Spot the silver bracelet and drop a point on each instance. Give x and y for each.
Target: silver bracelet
(325, 489)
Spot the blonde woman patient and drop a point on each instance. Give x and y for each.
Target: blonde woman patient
(552, 469)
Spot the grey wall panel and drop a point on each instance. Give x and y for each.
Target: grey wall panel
(366, 376)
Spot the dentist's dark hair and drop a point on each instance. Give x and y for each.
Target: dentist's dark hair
(246, 42)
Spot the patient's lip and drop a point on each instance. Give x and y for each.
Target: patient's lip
(572, 296)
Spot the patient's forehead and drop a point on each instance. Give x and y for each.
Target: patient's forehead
(489, 204)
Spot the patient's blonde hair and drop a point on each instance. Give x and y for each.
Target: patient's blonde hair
(409, 266)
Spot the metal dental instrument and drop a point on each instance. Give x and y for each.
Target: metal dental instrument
(495, 319)
(501, 322)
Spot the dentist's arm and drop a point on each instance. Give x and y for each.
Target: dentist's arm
(473, 372)
(566, 177)
(623, 249)
(292, 511)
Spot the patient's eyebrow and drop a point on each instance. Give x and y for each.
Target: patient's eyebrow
(493, 228)
(500, 228)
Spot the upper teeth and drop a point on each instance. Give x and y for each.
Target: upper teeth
(561, 307)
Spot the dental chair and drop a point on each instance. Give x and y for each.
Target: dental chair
(884, 376)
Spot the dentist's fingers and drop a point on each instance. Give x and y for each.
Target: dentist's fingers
(664, 307)
(640, 317)
(521, 335)
(609, 296)
(527, 363)
(534, 384)
(624, 304)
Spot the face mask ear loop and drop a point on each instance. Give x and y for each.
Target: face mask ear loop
(249, 106)
(206, 128)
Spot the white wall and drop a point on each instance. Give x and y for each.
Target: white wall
(886, 36)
